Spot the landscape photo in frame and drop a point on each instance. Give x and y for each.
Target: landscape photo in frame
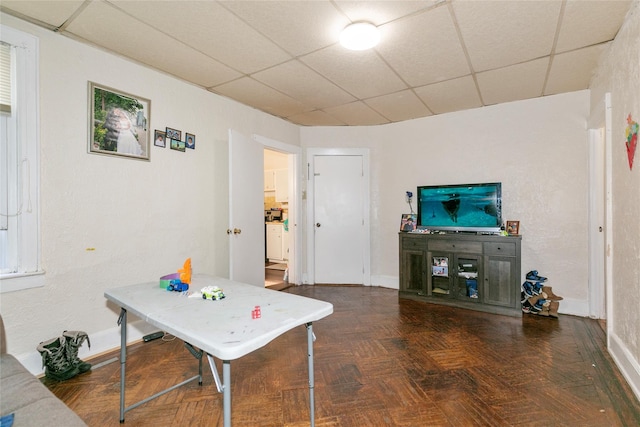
(118, 123)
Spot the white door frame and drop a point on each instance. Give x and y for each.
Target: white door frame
(295, 198)
(600, 156)
(310, 235)
(597, 294)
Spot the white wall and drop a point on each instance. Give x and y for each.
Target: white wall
(143, 219)
(619, 74)
(536, 148)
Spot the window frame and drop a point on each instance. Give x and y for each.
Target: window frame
(27, 180)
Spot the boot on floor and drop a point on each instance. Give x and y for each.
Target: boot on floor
(74, 340)
(54, 360)
(550, 295)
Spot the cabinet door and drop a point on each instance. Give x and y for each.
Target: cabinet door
(285, 245)
(282, 185)
(274, 241)
(413, 267)
(269, 180)
(438, 275)
(498, 281)
(468, 271)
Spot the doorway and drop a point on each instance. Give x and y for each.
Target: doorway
(276, 206)
(338, 216)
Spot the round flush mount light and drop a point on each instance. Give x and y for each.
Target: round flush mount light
(360, 36)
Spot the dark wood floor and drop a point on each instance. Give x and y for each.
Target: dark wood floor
(380, 361)
(274, 279)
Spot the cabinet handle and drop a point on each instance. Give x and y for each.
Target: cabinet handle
(318, 224)
(237, 231)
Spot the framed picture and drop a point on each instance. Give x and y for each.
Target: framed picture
(176, 144)
(174, 134)
(190, 141)
(118, 123)
(408, 222)
(513, 228)
(160, 139)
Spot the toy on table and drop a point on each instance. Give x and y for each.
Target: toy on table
(179, 281)
(213, 293)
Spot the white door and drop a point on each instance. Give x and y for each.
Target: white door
(339, 224)
(246, 210)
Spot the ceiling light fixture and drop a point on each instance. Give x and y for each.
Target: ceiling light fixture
(360, 36)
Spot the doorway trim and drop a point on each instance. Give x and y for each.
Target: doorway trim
(295, 202)
(310, 203)
(600, 164)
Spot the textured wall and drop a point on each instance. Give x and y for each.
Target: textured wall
(619, 74)
(536, 148)
(113, 221)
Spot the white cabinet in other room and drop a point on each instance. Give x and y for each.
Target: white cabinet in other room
(269, 180)
(285, 245)
(274, 241)
(282, 185)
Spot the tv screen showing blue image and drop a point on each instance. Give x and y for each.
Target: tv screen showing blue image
(464, 207)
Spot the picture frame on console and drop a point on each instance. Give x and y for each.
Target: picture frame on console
(408, 222)
(513, 228)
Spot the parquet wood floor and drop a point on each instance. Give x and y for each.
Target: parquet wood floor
(380, 361)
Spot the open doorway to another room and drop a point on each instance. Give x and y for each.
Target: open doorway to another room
(276, 207)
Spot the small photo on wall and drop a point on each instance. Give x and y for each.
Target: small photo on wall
(190, 141)
(174, 134)
(160, 139)
(178, 145)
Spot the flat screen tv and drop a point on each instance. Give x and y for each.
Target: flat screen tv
(463, 207)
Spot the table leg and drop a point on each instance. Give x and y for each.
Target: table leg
(311, 378)
(122, 321)
(226, 392)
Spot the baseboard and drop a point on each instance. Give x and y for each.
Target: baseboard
(101, 342)
(629, 367)
(390, 282)
(574, 307)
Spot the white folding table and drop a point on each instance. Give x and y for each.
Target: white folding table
(224, 329)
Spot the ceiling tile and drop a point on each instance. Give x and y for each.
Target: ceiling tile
(452, 95)
(282, 56)
(572, 71)
(251, 92)
(590, 22)
(315, 118)
(356, 114)
(146, 45)
(521, 81)
(300, 82)
(299, 27)
(211, 29)
(424, 48)
(49, 12)
(381, 12)
(399, 106)
(500, 33)
(361, 73)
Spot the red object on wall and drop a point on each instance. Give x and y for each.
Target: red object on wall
(632, 139)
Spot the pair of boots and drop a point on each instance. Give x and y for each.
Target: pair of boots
(60, 355)
(535, 285)
(540, 306)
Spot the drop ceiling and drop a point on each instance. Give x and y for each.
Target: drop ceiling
(283, 57)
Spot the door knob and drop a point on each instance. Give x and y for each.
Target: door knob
(237, 231)
(317, 224)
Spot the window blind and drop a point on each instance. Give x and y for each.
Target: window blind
(5, 78)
